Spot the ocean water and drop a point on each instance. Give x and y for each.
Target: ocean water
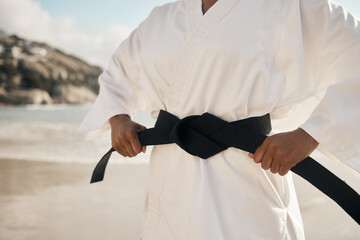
(49, 133)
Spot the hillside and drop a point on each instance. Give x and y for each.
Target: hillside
(36, 73)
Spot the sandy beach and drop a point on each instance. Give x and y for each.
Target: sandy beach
(44, 200)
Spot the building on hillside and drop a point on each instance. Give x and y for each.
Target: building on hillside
(16, 52)
(38, 52)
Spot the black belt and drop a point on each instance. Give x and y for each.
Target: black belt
(207, 135)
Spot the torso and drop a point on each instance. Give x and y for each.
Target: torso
(207, 4)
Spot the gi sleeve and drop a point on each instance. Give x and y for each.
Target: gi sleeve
(120, 90)
(333, 38)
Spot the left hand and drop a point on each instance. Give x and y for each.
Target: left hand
(282, 151)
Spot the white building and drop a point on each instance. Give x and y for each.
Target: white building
(16, 52)
(38, 52)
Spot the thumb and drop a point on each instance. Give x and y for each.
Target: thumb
(140, 128)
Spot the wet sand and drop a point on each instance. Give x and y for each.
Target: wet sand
(44, 200)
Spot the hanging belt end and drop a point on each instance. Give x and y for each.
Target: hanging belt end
(95, 179)
(99, 171)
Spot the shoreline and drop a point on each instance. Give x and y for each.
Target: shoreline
(54, 200)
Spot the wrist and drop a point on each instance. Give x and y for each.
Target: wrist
(312, 141)
(119, 117)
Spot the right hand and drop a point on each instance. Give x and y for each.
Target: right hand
(124, 138)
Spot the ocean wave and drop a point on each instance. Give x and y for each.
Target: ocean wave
(48, 133)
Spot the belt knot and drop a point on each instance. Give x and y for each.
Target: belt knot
(193, 134)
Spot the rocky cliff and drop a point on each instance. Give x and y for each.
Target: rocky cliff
(36, 73)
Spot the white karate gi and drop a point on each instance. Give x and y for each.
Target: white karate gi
(240, 59)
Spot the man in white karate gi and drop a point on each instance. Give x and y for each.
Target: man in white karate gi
(235, 59)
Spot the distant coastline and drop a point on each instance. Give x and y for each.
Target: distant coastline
(36, 73)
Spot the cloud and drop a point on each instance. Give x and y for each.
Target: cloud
(28, 19)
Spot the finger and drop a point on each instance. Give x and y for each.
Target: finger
(275, 167)
(266, 161)
(129, 149)
(120, 149)
(283, 170)
(140, 128)
(260, 151)
(135, 143)
(251, 155)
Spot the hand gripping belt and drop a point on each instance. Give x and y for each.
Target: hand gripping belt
(207, 135)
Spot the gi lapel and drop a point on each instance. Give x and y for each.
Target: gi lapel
(198, 26)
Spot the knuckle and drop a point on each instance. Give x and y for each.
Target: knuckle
(283, 172)
(124, 154)
(130, 153)
(119, 142)
(271, 143)
(264, 165)
(121, 152)
(282, 159)
(281, 154)
(120, 138)
(116, 146)
(274, 146)
(137, 149)
(287, 164)
(129, 133)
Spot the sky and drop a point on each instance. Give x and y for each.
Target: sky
(102, 13)
(89, 29)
